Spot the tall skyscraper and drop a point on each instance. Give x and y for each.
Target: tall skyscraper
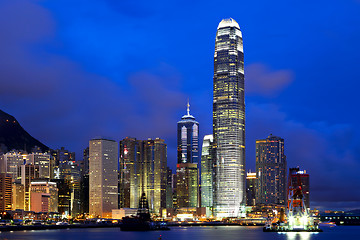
(298, 179)
(207, 162)
(270, 171)
(187, 167)
(103, 177)
(143, 169)
(188, 138)
(229, 120)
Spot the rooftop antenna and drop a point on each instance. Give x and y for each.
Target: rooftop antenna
(188, 107)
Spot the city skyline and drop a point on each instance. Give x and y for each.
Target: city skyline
(50, 78)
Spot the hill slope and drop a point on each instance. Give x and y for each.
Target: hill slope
(13, 136)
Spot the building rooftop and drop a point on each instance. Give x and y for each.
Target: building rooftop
(228, 22)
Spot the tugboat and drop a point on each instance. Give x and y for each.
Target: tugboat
(297, 216)
(142, 221)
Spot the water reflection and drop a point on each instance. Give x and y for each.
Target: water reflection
(298, 235)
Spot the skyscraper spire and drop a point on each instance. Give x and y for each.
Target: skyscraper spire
(188, 107)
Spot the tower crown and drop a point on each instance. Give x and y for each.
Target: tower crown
(228, 22)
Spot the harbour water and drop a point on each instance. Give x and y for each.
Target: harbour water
(185, 233)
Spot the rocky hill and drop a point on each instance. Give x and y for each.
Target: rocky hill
(13, 136)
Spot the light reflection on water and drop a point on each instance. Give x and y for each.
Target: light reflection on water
(186, 233)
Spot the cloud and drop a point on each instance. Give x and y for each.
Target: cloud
(327, 151)
(261, 80)
(62, 104)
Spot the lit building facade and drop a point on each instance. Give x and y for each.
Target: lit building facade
(207, 162)
(188, 139)
(270, 171)
(250, 189)
(43, 196)
(18, 194)
(188, 154)
(29, 172)
(103, 177)
(43, 161)
(229, 121)
(10, 163)
(143, 169)
(187, 185)
(5, 192)
(301, 179)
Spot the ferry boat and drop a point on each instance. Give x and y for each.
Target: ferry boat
(142, 221)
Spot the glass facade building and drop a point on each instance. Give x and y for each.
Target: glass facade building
(143, 169)
(229, 121)
(207, 158)
(187, 167)
(188, 139)
(270, 171)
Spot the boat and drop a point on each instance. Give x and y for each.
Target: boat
(297, 218)
(142, 220)
(327, 224)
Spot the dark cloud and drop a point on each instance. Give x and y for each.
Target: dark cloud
(68, 105)
(261, 80)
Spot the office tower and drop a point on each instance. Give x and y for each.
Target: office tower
(62, 161)
(18, 194)
(270, 171)
(10, 163)
(43, 196)
(84, 182)
(250, 189)
(64, 197)
(5, 192)
(43, 161)
(207, 162)
(130, 172)
(103, 177)
(188, 154)
(187, 185)
(188, 139)
(299, 179)
(28, 172)
(169, 190)
(229, 121)
(143, 169)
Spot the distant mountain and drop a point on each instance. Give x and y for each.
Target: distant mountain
(13, 136)
(354, 211)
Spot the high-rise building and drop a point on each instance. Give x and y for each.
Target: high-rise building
(270, 171)
(299, 179)
(187, 185)
(229, 121)
(28, 172)
(5, 192)
(143, 169)
(188, 139)
(43, 196)
(207, 162)
(103, 177)
(10, 163)
(188, 154)
(18, 195)
(43, 161)
(169, 189)
(250, 189)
